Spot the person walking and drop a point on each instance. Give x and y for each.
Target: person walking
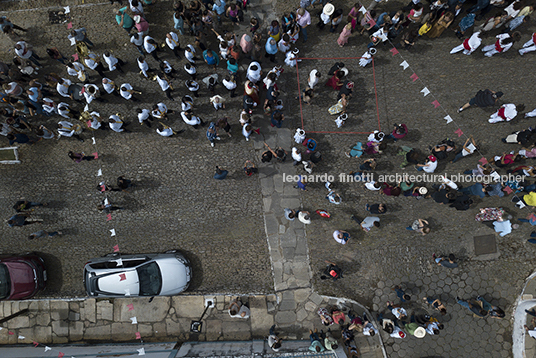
(22, 220)
(42, 233)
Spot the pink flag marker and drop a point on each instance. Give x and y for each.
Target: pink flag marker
(414, 77)
(435, 103)
(10, 333)
(35, 344)
(508, 190)
(116, 248)
(60, 355)
(130, 307)
(138, 335)
(108, 217)
(483, 160)
(70, 25)
(458, 132)
(394, 51)
(122, 276)
(75, 56)
(96, 155)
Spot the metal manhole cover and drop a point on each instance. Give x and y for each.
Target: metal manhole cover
(485, 245)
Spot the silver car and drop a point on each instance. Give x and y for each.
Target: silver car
(117, 275)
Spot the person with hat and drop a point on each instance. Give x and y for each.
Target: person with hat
(142, 26)
(420, 225)
(430, 165)
(483, 98)
(414, 329)
(325, 16)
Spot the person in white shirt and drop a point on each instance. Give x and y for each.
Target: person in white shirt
(314, 77)
(246, 131)
(372, 185)
(284, 44)
(163, 130)
(159, 111)
(166, 67)
(137, 40)
(65, 111)
(92, 61)
(296, 156)
(429, 167)
(77, 69)
(368, 327)
(67, 129)
(191, 69)
(187, 103)
(468, 148)
(116, 123)
(49, 106)
(193, 87)
(113, 62)
(341, 236)
(63, 87)
(469, 45)
(503, 44)
(172, 40)
(150, 46)
(24, 50)
(218, 102)
(109, 86)
(507, 112)
(230, 84)
(254, 72)
(164, 85)
(91, 92)
(126, 91)
(529, 46)
(190, 119)
(136, 7)
(432, 328)
(144, 116)
(143, 65)
(189, 53)
(95, 122)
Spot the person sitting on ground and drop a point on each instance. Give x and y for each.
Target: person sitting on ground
(250, 168)
(436, 304)
(420, 225)
(446, 261)
(237, 309)
(273, 340)
(332, 271)
(376, 209)
(316, 345)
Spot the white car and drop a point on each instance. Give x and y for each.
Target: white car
(150, 275)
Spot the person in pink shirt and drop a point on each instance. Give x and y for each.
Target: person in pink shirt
(304, 20)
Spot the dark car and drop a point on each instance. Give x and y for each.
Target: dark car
(21, 277)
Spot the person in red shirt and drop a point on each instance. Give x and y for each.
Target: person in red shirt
(399, 132)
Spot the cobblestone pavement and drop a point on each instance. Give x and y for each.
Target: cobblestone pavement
(373, 263)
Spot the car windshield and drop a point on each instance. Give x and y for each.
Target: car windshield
(150, 279)
(5, 282)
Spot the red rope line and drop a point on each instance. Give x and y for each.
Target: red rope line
(376, 95)
(336, 58)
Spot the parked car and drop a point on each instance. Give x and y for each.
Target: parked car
(117, 275)
(21, 277)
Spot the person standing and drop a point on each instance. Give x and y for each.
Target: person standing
(172, 40)
(164, 85)
(220, 173)
(150, 46)
(25, 51)
(126, 91)
(212, 134)
(273, 340)
(193, 87)
(93, 62)
(113, 62)
(124, 20)
(115, 123)
(22, 220)
(303, 20)
(144, 116)
(109, 86)
(80, 35)
(137, 40)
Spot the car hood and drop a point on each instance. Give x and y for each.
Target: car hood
(113, 284)
(175, 276)
(23, 280)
